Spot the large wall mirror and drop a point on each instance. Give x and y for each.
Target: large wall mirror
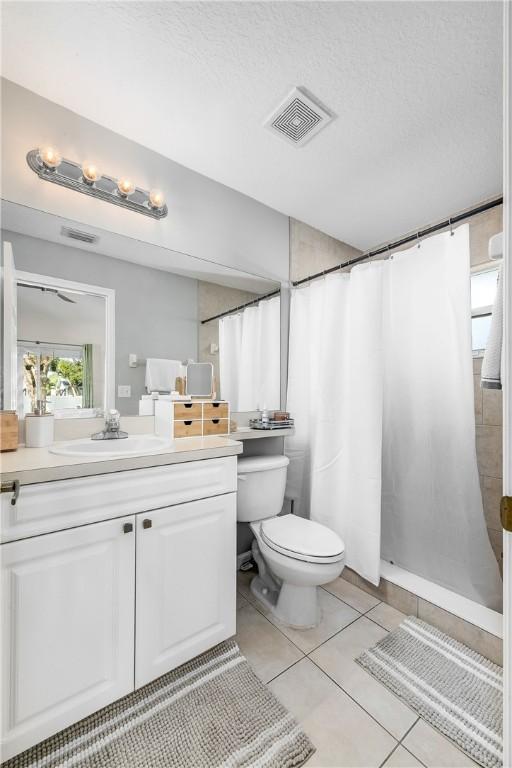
(103, 320)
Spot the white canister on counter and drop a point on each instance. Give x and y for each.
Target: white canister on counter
(39, 429)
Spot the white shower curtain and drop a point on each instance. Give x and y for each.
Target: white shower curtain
(335, 395)
(380, 384)
(250, 357)
(432, 517)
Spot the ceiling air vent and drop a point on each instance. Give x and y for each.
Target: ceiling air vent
(298, 118)
(77, 234)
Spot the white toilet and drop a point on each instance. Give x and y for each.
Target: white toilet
(294, 555)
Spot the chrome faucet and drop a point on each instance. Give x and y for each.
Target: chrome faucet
(111, 430)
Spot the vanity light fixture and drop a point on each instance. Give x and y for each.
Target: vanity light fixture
(48, 164)
(90, 173)
(50, 158)
(125, 187)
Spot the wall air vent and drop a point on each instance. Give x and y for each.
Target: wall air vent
(77, 234)
(298, 118)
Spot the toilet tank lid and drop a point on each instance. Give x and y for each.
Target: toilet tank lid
(261, 463)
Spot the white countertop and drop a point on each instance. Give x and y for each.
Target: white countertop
(38, 465)
(251, 434)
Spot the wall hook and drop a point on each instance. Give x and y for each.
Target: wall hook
(418, 239)
(451, 228)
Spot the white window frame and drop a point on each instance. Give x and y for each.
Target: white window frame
(109, 294)
(479, 269)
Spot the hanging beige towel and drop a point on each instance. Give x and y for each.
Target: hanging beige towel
(491, 364)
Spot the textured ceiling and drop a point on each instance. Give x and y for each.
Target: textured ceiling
(415, 87)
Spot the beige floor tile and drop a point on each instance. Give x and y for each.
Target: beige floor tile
(240, 601)
(335, 616)
(267, 650)
(337, 658)
(387, 616)
(401, 758)
(343, 734)
(351, 594)
(433, 749)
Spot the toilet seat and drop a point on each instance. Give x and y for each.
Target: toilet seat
(302, 539)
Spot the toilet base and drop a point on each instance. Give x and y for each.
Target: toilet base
(295, 606)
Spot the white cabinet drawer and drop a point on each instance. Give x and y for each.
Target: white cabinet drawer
(46, 507)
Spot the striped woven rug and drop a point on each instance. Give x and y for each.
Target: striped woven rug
(212, 711)
(455, 689)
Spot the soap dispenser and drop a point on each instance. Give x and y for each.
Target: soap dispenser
(39, 427)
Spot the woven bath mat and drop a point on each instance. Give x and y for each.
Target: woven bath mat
(453, 688)
(212, 711)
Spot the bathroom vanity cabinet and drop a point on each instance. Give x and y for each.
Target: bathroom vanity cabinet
(107, 583)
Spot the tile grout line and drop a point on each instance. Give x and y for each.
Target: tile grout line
(355, 701)
(306, 654)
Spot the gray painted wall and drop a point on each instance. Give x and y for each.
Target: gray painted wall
(156, 312)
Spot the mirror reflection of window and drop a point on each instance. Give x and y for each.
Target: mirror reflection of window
(61, 350)
(484, 282)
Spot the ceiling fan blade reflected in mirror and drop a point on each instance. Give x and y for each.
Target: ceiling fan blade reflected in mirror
(65, 298)
(48, 290)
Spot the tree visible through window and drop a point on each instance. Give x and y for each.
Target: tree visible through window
(54, 377)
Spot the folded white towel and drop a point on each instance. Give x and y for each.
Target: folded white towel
(161, 374)
(491, 364)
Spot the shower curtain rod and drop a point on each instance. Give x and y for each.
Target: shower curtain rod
(404, 240)
(241, 306)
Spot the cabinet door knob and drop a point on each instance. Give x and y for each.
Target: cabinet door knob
(147, 523)
(127, 528)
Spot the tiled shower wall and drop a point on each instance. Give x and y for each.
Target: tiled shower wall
(488, 402)
(211, 300)
(311, 251)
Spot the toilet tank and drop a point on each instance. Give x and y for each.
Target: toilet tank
(261, 485)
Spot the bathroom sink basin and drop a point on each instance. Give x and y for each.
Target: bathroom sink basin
(137, 445)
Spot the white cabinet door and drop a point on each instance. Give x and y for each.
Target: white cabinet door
(186, 583)
(67, 628)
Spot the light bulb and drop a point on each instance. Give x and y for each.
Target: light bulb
(156, 199)
(50, 157)
(91, 173)
(125, 187)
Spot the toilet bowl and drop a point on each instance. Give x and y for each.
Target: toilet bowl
(294, 555)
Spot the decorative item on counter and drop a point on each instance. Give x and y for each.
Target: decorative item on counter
(281, 416)
(8, 431)
(39, 427)
(265, 417)
(180, 384)
(233, 425)
(270, 422)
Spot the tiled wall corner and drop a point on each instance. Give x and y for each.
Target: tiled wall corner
(478, 639)
(312, 251)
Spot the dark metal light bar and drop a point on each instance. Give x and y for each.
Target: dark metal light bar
(241, 306)
(404, 240)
